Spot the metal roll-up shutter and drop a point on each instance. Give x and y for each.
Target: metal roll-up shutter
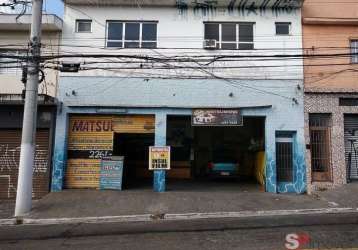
(10, 145)
(351, 145)
(90, 139)
(41, 173)
(140, 124)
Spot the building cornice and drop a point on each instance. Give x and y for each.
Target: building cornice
(329, 21)
(190, 3)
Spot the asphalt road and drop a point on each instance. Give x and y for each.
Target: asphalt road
(311, 237)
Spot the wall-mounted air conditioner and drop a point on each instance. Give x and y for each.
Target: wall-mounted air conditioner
(210, 44)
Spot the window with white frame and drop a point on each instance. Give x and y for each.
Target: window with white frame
(11, 66)
(131, 34)
(83, 26)
(354, 51)
(230, 35)
(283, 28)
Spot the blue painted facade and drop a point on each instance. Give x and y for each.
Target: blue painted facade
(281, 106)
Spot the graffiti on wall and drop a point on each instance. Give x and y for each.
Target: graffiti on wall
(9, 166)
(5, 181)
(238, 7)
(10, 156)
(298, 185)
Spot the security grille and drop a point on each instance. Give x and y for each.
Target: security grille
(354, 51)
(351, 145)
(320, 133)
(284, 157)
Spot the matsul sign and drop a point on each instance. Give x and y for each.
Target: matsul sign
(217, 117)
(159, 158)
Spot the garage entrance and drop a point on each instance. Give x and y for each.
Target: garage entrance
(93, 139)
(217, 154)
(134, 148)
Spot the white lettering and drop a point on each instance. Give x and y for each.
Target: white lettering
(292, 241)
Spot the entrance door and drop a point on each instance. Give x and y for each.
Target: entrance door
(351, 145)
(135, 149)
(284, 157)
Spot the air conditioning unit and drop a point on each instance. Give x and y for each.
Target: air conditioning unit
(210, 44)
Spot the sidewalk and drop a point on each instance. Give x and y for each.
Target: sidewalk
(226, 199)
(79, 213)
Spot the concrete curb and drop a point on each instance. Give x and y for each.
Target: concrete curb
(7, 222)
(247, 214)
(175, 217)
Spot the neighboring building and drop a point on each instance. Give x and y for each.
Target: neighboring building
(119, 106)
(331, 92)
(14, 37)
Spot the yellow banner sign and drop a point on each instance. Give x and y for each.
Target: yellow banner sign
(159, 158)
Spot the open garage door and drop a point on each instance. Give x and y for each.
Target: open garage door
(210, 153)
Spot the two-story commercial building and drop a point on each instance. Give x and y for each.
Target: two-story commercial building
(331, 104)
(14, 39)
(215, 80)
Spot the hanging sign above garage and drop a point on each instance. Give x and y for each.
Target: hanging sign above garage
(217, 117)
(159, 158)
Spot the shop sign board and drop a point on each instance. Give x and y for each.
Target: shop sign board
(111, 174)
(217, 117)
(159, 158)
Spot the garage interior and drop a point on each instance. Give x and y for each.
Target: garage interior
(193, 148)
(134, 148)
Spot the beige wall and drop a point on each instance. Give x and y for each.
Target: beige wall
(330, 8)
(11, 83)
(319, 36)
(326, 31)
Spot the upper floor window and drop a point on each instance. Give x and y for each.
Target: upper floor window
(229, 36)
(131, 34)
(84, 26)
(283, 28)
(354, 51)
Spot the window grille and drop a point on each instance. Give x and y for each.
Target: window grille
(284, 156)
(320, 126)
(354, 51)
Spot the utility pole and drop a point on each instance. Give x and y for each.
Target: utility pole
(28, 144)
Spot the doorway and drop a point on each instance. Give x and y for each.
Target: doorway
(219, 156)
(134, 147)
